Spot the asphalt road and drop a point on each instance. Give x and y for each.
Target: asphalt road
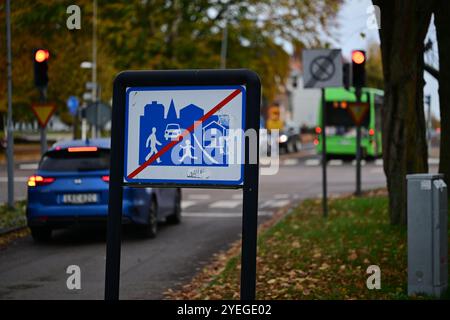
(212, 220)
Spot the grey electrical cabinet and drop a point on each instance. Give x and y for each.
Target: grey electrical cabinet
(427, 234)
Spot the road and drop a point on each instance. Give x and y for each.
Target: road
(212, 220)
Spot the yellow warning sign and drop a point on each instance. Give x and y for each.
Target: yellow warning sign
(43, 112)
(358, 112)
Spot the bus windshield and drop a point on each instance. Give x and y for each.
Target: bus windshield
(339, 120)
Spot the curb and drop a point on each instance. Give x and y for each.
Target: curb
(11, 230)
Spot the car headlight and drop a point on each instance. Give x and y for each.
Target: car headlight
(283, 138)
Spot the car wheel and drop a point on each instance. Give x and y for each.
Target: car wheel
(175, 217)
(297, 146)
(290, 148)
(150, 229)
(41, 234)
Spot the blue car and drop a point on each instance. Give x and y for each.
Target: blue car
(71, 187)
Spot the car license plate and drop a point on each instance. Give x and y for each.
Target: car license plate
(80, 198)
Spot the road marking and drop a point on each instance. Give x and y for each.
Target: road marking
(379, 162)
(274, 203)
(336, 162)
(376, 170)
(281, 196)
(238, 196)
(363, 162)
(433, 161)
(186, 204)
(290, 162)
(312, 162)
(16, 179)
(225, 204)
(28, 166)
(222, 214)
(199, 196)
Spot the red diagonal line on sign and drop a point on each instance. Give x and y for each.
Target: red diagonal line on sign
(171, 144)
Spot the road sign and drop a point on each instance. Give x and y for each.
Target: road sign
(322, 68)
(87, 96)
(43, 112)
(98, 114)
(358, 111)
(192, 115)
(72, 103)
(206, 118)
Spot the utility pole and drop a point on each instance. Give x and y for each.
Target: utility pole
(94, 66)
(224, 47)
(10, 137)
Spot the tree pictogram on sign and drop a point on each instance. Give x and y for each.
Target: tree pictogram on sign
(43, 112)
(358, 112)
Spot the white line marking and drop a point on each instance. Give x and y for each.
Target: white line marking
(186, 204)
(222, 214)
(312, 162)
(274, 204)
(199, 196)
(433, 161)
(225, 204)
(290, 162)
(336, 162)
(377, 170)
(28, 166)
(363, 162)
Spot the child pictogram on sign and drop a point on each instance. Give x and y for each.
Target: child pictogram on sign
(187, 151)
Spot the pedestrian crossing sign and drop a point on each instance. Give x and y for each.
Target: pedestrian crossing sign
(185, 134)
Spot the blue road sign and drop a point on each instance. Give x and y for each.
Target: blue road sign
(191, 135)
(72, 104)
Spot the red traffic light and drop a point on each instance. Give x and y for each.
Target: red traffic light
(41, 55)
(358, 57)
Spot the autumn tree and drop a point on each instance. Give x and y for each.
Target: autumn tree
(404, 24)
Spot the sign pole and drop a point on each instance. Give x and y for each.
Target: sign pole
(250, 202)
(114, 226)
(10, 129)
(358, 148)
(42, 129)
(324, 155)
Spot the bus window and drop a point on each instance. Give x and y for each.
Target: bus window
(339, 121)
(378, 116)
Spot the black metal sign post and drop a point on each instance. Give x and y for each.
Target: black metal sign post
(196, 78)
(324, 155)
(358, 147)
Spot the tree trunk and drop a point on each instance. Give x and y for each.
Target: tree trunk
(404, 24)
(442, 14)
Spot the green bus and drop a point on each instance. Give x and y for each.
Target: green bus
(340, 128)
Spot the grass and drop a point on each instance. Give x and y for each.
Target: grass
(10, 218)
(305, 256)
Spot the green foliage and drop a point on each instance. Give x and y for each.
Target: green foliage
(156, 34)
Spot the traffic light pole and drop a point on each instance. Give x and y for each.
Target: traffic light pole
(324, 156)
(10, 132)
(358, 149)
(43, 130)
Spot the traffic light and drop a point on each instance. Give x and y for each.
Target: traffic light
(359, 68)
(40, 58)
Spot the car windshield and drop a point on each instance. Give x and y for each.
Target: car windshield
(63, 160)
